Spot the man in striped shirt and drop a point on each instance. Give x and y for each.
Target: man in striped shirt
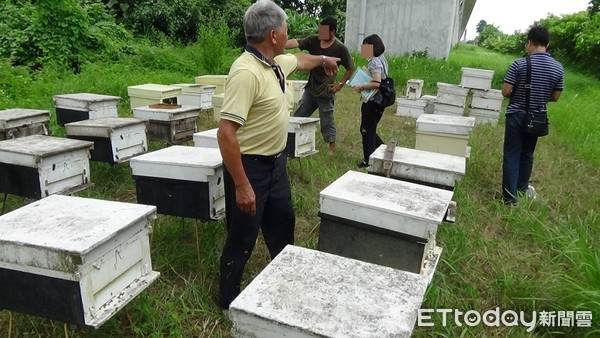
(546, 85)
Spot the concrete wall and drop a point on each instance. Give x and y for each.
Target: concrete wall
(408, 25)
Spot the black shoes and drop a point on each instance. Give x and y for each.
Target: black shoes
(363, 164)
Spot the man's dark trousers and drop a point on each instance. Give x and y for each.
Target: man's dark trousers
(274, 216)
(518, 157)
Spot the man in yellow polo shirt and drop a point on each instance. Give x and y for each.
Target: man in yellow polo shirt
(252, 136)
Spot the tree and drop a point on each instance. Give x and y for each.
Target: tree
(490, 36)
(594, 7)
(481, 26)
(317, 8)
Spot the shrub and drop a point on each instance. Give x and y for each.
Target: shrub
(215, 41)
(65, 32)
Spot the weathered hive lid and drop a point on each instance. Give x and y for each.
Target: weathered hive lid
(56, 232)
(459, 125)
(9, 115)
(194, 88)
(313, 293)
(424, 159)
(386, 203)
(178, 162)
(39, 146)
(153, 91)
(488, 94)
(294, 122)
(452, 89)
(102, 127)
(88, 97)
(166, 113)
(475, 72)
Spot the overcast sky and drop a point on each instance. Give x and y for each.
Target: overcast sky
(511, 15)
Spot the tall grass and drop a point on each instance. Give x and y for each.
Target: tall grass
(540, 255)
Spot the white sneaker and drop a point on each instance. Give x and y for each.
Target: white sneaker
(530, 192)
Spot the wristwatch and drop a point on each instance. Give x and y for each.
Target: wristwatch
(324, 59)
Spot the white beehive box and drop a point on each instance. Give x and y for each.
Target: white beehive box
(489, 100)
(423, 167)
(414, 87)
(484, 116)
(381, 220)
(301, 136)
(181, 181)
(150, 93)
(297, 88)
(459, 125)
(195, 95)
(206, 139)
(84, 106)
(446, 109)
(476, 78)
(444, 134)
(451, 144)
(19, 122)
(76, 260)
(173, 124)
(430, 103)
(37, 166)
(493, 114)
(452, 94)
(217, 102)
(115, 139)
(293, 92)
(307, 293)
(215, 80)
(410, 107)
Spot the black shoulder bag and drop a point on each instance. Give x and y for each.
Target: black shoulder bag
(386, 95)
(535, 122)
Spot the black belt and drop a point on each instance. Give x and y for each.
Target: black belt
(263, 158)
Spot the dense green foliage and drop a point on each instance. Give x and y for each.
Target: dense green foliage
(492, 38)
(574, 39)
(70, 33)
(177, 20)
(66, 32)
(300, 26)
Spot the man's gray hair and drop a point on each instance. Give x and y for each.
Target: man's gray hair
(262, 17)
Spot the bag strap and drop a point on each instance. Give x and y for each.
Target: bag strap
(384, 70)
(528, 83)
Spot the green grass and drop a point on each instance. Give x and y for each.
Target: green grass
(540, 255)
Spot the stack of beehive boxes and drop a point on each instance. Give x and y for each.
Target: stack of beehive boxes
(150, 93)
(451, 99)
(486, 102)
(412, 105)
(174, 124)
(197, 95)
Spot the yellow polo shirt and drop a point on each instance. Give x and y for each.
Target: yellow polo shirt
(254, 99)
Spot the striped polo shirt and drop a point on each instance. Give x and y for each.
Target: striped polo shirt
(546, 77)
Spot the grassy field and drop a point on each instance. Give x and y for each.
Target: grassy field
(541, 255)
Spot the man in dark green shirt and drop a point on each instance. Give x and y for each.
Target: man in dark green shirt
(321, 88)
